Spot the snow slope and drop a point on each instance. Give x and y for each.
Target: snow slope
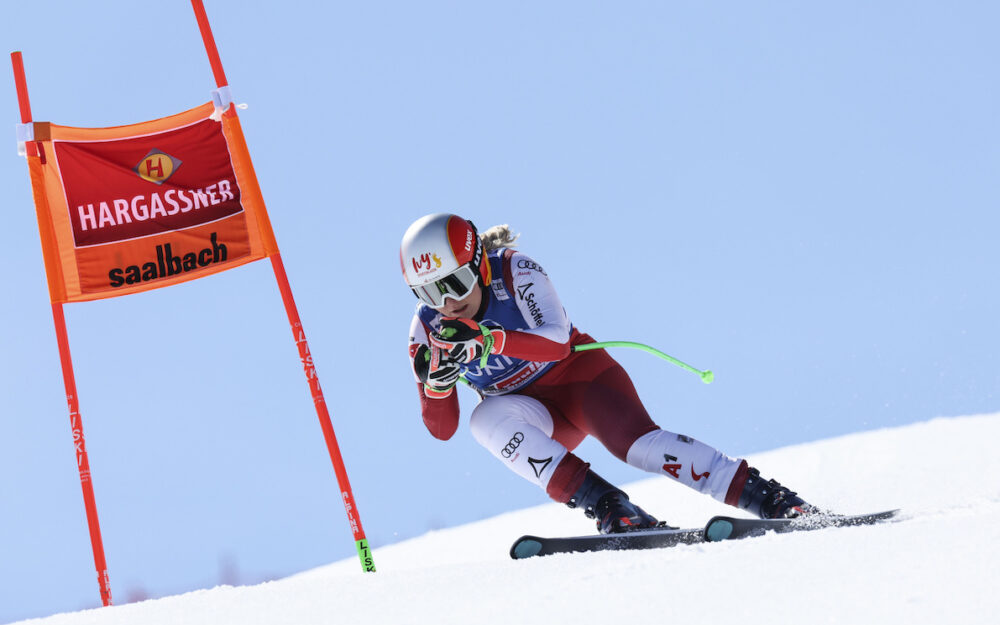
(939, 564)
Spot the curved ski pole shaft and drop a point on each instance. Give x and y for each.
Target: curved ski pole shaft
(706, 376)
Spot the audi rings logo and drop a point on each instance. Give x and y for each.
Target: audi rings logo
(512, 444)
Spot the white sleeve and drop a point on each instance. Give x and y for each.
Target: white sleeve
(537, 300)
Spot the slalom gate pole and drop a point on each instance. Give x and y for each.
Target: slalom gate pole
(347, 495)
(82, 459)
(298, 332)
(706, 376)
(69, 379)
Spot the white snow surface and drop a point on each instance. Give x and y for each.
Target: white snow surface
(937, 564)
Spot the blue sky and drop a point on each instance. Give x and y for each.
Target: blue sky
(800, 198)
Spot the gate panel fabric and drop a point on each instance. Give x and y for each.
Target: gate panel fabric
(138, 207)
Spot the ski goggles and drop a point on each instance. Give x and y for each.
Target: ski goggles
(456, 285)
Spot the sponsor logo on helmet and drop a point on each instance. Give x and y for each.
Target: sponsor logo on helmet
(469, 236)
(425, 263)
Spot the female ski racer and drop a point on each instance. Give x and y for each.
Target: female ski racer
(491, 315)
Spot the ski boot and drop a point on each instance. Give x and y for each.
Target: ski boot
(610, 506)
(770, 500)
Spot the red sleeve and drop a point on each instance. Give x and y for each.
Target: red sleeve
(533, 347)
(440, 415)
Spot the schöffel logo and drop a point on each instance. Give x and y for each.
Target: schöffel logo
(528, 297)
(157, 166)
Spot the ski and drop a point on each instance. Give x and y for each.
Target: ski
(730, 528)
(655, 538)
(717, 529)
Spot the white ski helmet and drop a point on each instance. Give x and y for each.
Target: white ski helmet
(441, 257)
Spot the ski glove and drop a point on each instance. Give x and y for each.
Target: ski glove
(438, 372)
(466, 341)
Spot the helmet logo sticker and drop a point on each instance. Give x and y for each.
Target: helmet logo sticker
(425, 263)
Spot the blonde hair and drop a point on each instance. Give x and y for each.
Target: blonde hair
(497, 237)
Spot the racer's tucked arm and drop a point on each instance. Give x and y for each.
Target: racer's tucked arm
(439, 408)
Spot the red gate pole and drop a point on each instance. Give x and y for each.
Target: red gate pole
(69, 380)
(360, 542)
(298, 332)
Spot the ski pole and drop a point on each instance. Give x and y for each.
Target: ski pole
(706, 376)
